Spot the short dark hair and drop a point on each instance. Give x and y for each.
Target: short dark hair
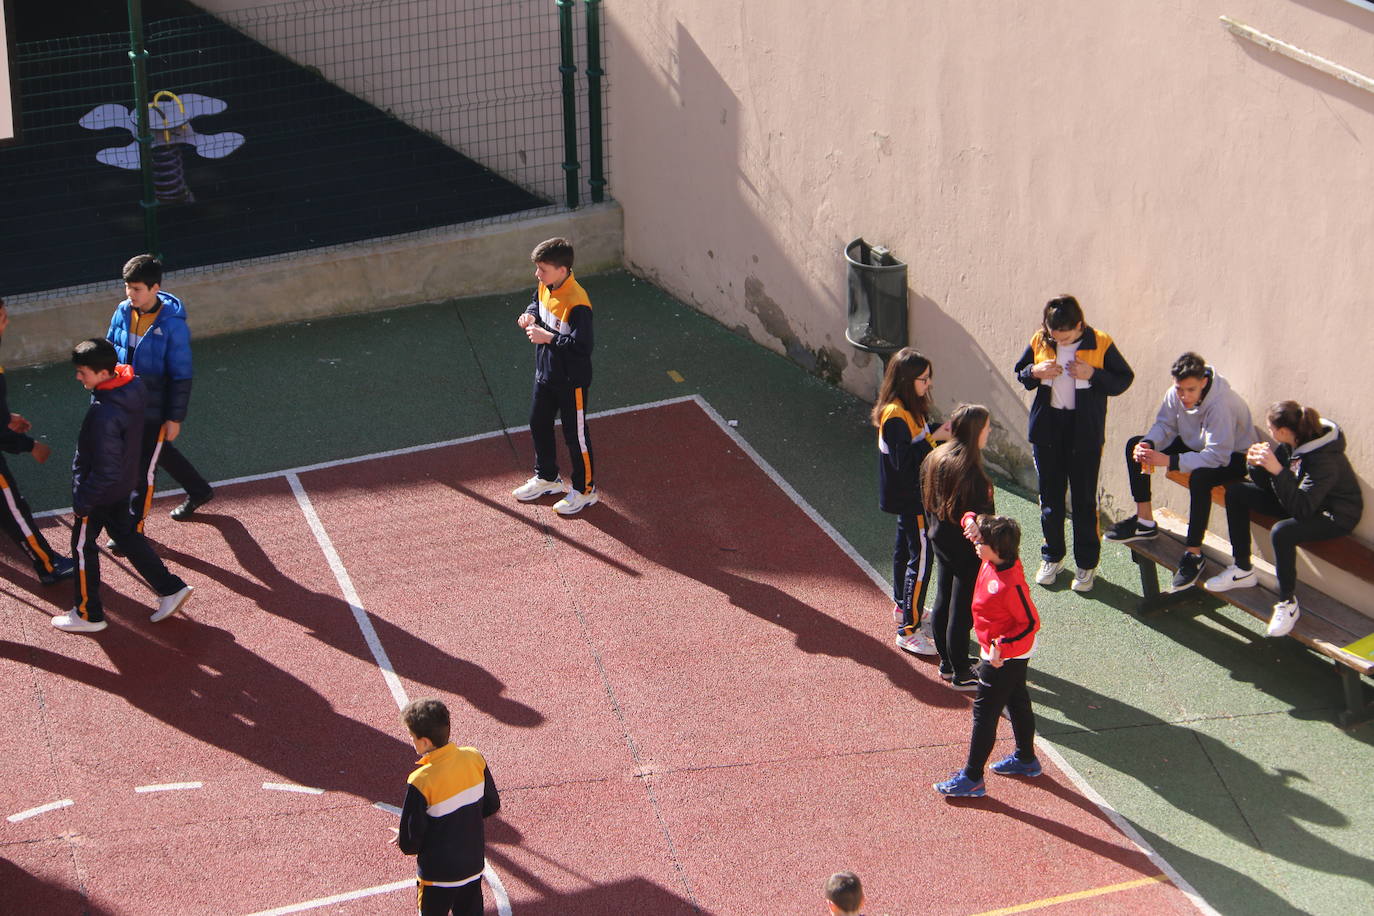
(95, 353)
(427, 719)
(143, 268)
(1189, 365)
(845, 891)
(1002, 535)
(558, 252)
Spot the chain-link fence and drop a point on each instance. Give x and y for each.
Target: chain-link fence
(285, 127)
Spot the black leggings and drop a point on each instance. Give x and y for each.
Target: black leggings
(998, 689)
(952, 615)
(1200, 484)
(1287, 534)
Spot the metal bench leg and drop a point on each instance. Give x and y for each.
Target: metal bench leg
(1356, 710)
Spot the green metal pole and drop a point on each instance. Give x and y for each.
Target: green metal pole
(138, 56)
(594, 73)
(569, 70)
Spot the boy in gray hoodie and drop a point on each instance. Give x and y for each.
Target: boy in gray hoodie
(1204, 428)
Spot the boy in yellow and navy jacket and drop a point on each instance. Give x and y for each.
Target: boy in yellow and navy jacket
(442, 819)
(559, 324)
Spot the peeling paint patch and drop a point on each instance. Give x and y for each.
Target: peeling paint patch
(829, 363)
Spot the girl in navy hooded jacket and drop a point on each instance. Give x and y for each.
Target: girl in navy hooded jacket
(1304, 479)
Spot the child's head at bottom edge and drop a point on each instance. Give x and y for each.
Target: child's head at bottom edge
(844, 893)
(428, 723)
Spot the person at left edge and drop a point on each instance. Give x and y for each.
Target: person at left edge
(149, 332)
(15, 516)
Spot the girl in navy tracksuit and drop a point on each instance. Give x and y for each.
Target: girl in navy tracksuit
(1072, 368)
(901, 415)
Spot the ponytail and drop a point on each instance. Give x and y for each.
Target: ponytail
(1304, 422)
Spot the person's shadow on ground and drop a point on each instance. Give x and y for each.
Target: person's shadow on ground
(329, 619)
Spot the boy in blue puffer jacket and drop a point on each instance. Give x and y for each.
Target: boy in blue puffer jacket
(104, 475)
(149, 333)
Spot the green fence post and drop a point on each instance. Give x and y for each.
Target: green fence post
(595, 165)
(138, 56)
(569, 70)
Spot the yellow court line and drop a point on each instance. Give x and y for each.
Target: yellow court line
(1077, 895)
(675, 375)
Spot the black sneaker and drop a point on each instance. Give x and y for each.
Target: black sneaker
(114, 549)
(184, 511)
(1189, 571)
(967, 681)
(62, 568)
(1130, 529)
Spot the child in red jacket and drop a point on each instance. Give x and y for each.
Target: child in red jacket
(1006, 622)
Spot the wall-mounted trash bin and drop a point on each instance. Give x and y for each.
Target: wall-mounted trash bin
(877, 298)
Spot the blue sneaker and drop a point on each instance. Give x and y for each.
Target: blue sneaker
(1011, 765)
(960, 786)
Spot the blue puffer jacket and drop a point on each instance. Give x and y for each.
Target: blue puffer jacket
(105, 468)
(162, 358)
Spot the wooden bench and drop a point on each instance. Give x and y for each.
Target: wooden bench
(1325, 625)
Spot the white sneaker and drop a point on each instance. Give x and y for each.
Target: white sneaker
(916, 644)
(536, 487)
(1049, 571)
(72, 622)
(575, 502)
(1231, 577)
(1083, 580)
(169, 605)
(1285, 615)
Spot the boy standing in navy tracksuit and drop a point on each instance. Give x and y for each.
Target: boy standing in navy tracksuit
(15, 516)
(149, 332)
(104, 476)
(1072, 368)
(1006, 623)
(559, 323)
(447, 800)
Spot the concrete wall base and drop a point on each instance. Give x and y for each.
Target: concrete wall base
(328, 281)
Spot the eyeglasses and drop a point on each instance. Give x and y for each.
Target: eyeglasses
(924, 378)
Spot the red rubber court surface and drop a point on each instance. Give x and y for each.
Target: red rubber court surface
(687, 694)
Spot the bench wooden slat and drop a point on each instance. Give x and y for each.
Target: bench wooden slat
(1325, 624)
(1344, 553)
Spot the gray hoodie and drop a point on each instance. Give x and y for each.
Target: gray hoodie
(1215, 429)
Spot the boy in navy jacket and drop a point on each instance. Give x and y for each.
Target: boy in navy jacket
(15, 516)
(149, 332)
(105, 473)
(447, 800)
(559, 324)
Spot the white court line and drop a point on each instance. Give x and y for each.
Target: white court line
(1050, 751)
(338, 898)
(41, 809)
(392, 453)
(288, 787)
(170, 787)
(389, 809)
(350, 594)
(498, 890)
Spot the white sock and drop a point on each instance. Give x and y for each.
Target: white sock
(1144, 524)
